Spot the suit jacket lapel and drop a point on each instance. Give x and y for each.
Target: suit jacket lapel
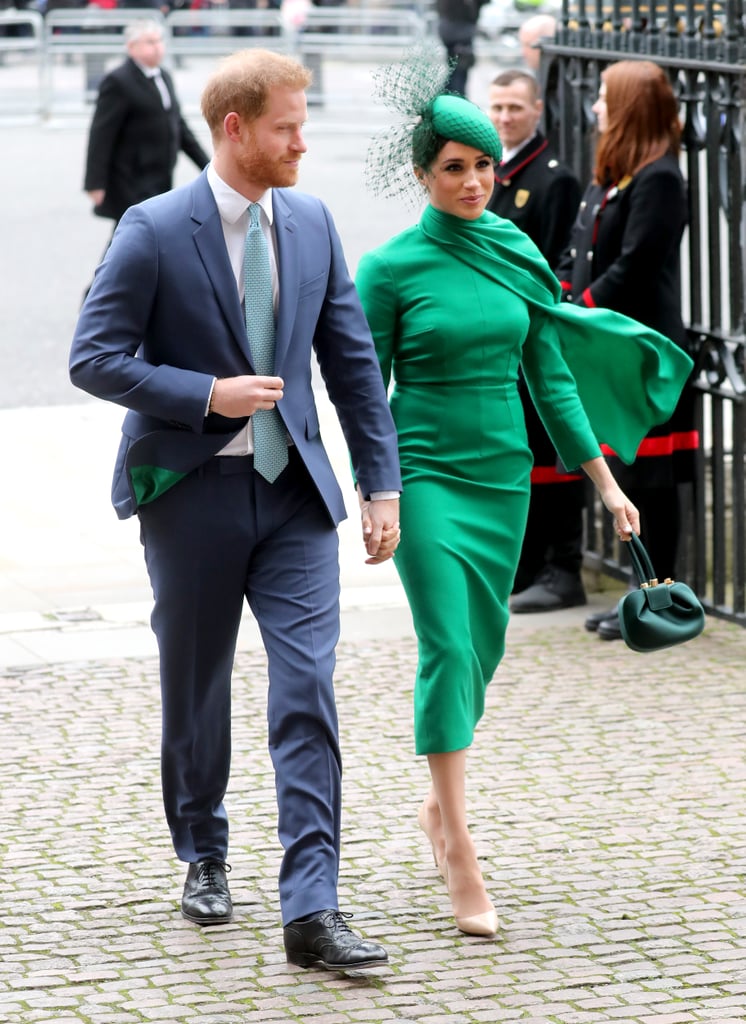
(145, 86)
(210, 243)
(288, 268)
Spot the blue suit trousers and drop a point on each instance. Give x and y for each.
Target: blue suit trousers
(222, 535)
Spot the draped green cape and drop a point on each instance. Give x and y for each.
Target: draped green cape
(629, 377)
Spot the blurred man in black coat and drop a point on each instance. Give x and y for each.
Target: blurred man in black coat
(531, 32)
(457, 27)
(137, 129)
(541, 196)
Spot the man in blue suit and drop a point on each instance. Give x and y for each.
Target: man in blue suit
(163, 333)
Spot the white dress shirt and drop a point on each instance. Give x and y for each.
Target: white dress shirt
(508, 154)
(234, 217)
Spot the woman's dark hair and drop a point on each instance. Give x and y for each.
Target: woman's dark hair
(426, 144)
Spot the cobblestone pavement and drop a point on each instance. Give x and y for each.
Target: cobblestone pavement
(607, 798)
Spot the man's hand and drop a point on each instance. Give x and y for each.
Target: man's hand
(380, 522)
(96, 196)
(236, 397)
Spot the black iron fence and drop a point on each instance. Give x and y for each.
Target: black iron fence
(702, 46)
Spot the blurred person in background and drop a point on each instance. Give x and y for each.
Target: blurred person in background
(540, 26)
(137, 130)
(457, 26)
(624, 255)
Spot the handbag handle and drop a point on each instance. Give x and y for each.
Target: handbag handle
(641, 562)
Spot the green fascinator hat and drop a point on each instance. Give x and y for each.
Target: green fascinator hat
(414, 88)
(456, 119)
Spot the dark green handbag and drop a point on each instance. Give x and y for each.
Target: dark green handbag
(657, 615)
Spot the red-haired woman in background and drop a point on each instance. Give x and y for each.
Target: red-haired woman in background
(624, 255)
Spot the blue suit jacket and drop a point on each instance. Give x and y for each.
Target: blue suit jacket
(163, 318)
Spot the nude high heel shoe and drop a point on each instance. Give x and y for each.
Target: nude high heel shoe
(485, 924)
(479, 924)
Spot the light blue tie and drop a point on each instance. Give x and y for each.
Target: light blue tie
(270, 444)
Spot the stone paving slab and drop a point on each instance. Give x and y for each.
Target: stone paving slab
(606, 797)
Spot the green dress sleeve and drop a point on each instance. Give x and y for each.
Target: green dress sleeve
(554, 393)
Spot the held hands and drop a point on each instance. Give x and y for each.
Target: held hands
(236, 397)
(380, 522)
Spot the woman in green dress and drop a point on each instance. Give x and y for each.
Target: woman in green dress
(455, 304)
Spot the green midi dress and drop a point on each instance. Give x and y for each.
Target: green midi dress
(453, 337)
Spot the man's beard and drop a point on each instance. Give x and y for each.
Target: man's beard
(267, 173)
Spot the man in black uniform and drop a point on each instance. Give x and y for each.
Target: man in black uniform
(541, 196)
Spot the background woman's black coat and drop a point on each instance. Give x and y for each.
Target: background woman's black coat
(624, 255)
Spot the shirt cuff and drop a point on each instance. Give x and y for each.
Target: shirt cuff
(209, 397)
(383, 495)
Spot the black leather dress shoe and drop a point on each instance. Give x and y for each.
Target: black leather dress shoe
(325, 940)
(206, 899)
(594, 621)
(553, 588)
(609, 629)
